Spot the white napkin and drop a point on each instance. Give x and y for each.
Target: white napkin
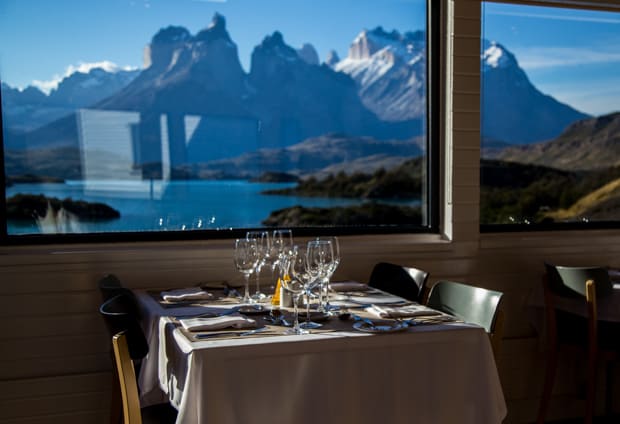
(217, 323)
(348, 286)
(191, 293)
(401, 311)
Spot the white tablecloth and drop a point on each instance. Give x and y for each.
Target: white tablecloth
(428, 374)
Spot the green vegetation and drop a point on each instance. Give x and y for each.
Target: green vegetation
(403, 182)
(276, 177)
(517, 193)
(368, 214)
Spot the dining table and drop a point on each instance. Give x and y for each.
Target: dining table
(362, 365)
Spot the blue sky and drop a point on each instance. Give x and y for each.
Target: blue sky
(571, 55)
(31, 31)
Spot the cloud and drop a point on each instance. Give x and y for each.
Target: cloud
(48, 85)
(550, 57)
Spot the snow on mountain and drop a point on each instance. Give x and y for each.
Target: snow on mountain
(509, 99)
(389, 68)
(82, 86)
(494, 56)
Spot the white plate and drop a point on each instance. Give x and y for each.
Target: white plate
(384, 327)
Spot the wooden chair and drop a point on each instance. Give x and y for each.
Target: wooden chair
(127, 380)
(598, 340)
(403, 281)
(471, 304)
(121, 317)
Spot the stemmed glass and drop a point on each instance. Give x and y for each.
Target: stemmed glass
(300, 271)
(246, 259)
(281, 244)
(320, 262)
(332, 268)
(263, 244)
(293, 285)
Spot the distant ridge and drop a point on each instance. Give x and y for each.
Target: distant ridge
(588, 144)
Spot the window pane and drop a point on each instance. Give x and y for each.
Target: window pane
(158, 115)
(550, 122)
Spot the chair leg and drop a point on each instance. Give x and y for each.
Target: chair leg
(552, 363)
(609, 386)
(116, 401)
(591, 388)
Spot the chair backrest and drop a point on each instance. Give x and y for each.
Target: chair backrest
(403, 281)
(587, 283)
(120, 313)
(127, 379)
(471, 304)
(575, 278)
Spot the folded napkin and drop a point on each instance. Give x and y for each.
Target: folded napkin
(406, 311)
(217, 323)
(348, 286)
(191, 293)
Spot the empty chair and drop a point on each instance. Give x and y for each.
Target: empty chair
(406, 282)
(110, 286)
(127, 379)
(597, 339)
(120, 316)
(471, 304)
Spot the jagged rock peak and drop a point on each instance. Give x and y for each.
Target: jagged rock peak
(332, 58)
(215, 30)
(392, 45)
(308, 54)
(275, 44)
(171, 34)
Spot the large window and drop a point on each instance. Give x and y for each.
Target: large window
(550, 126)
(159, 116)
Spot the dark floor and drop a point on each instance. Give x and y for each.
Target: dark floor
(597, 420)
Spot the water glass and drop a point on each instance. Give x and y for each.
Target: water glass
(246, 259)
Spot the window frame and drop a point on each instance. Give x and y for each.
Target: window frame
(587, 5)
(430, 190)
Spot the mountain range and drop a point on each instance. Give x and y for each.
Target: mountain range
(585, 145)
(286, 101)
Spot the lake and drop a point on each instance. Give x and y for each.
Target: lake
(173, 205)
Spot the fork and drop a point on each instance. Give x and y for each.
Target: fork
(230, 333)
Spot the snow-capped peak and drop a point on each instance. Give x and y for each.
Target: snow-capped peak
(47, 86)
(404, 47)
(494, 56)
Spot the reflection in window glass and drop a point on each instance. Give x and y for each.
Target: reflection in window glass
(550, 115)
(180, 115)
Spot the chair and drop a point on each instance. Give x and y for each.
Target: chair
(597, 339)
(471, 304)
(120, 316)
(406, 282)
(127, 379)
(110, 286)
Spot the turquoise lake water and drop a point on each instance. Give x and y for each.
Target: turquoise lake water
(173, 205)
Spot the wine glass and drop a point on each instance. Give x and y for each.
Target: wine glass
(300, 271)
(281, 243)
(332, 269)
(293, 285)
(246, 258)
(320, 261)
(263, 245)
